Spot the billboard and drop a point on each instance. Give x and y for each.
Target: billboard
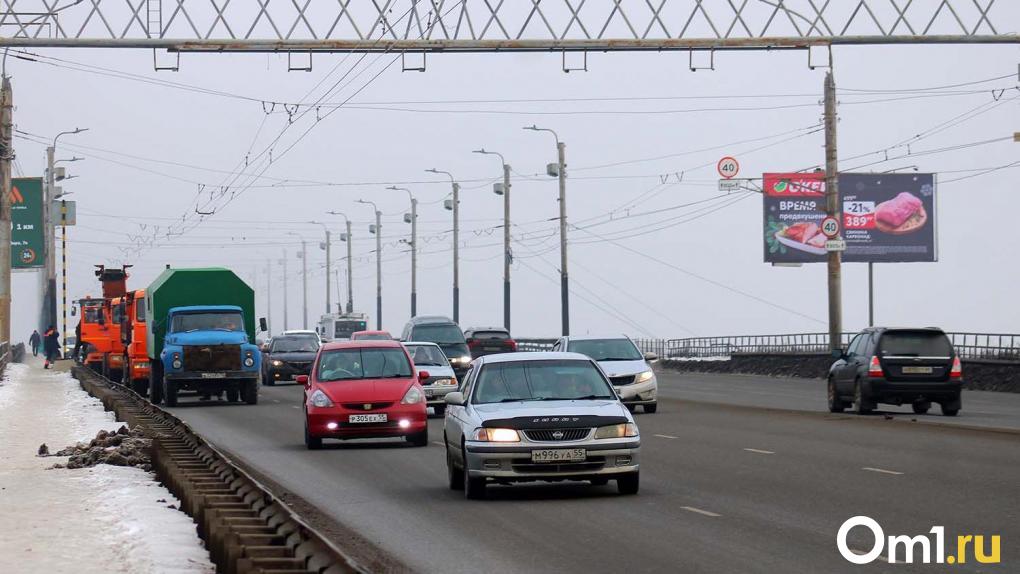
(886, 217)
(27, 236)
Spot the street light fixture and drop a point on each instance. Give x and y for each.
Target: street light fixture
(504, 190)
(414, 246)
(455, 207)
(350, 260)
(561, 172)
(377, 230)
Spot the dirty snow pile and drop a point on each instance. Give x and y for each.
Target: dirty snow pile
(122, 447)
(89, 520)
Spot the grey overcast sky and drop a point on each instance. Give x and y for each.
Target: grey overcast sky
(152, 152)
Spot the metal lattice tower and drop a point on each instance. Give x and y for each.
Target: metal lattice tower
(498, 25)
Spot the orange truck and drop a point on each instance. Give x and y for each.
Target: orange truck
(130, 310)
(102, 348)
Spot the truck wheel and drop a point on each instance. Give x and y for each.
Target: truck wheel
(250, 392)
(170, 392)
(105, 369)
(156, 383)
(233, 395)
(140, 386)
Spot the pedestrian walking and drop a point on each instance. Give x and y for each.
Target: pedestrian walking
(34, 341)
(51, 346)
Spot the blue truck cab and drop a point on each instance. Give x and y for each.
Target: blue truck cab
(206, 349)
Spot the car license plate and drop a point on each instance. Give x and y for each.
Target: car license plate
(559, 455)
(428, 392)
(493, 348)
(214, 375)
(917, 370)
(379, 418)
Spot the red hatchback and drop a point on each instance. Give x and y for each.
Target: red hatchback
(364, 389)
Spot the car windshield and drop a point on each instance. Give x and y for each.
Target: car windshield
(540, 381)
(444, 334)
(490, 335)
(365, 363)
(295, 345)
(606, 349)
(427, 355)
(915, 344)
(92, 314)
(374, 337)
(219, 321)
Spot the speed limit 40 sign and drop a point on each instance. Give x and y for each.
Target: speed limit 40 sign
(830, 227)
(728, 167)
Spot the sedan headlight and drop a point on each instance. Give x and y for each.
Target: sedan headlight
(625, 430)
(496, 435)
(277, 363)
(319, 399)
(445, 382)
(643, 377)
(413, 396)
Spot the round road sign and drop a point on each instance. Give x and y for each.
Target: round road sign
(728, 167)
(830, 227)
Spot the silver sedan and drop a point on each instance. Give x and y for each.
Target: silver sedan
(538, 416)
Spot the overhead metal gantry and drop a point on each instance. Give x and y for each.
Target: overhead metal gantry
(498, 25)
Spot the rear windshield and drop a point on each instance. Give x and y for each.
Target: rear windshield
(606, 349)
(368, 363)
(427, 355)
(490, 335)
(374, 337)
(444, 334)
(915, 344)
(540, 381)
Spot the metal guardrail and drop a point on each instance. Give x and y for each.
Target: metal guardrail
(5, 356)
(535, 344)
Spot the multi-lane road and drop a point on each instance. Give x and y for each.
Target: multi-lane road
(725, 487)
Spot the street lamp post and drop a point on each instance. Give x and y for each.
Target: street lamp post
(327, 246)
(414, 248)
(49, 278)
(378, 262)
(350, 261)
(561, 172)
(507, 255)
(455, 207)
(63, 252)
(286, 322)
(304, 279)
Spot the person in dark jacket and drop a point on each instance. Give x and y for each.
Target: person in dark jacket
(51, 346)
(34, 341)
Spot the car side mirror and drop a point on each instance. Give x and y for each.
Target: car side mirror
(423, 376)
(651, 357)
(455, 398)
(838, 354)
(74, 311)
(263, 325)
(302, 380)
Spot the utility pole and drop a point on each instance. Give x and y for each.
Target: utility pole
(350, 269)
(269, 298)
(507, 254)
(414, 247)
(6, 155)
(63, 267)
(304, 279)
(286, 323)
(832, 209)
(49, 276)
(561, 173)
(377, 230)
(871, 294)
(455, 207)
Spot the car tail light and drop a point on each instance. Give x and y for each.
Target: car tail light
(957, 371)
(512, 344)
(875, 368)
(474, 343)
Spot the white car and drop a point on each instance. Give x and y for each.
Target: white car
(625, 365)
(429, 357)
(524, 417)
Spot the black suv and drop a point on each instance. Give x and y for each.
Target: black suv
(443, 332)
(489, 341)
(897, 366)
(288, 356)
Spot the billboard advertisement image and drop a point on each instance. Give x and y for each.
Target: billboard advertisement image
(794, 210)
(27, 237)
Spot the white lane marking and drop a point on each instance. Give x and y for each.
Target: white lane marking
(882, 557)
(295, 407)
(439, 443)
(700, 511)
(759, 451)
(881, 470)
(275, 401)
(665, 436)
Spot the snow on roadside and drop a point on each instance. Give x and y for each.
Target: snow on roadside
(89, 520)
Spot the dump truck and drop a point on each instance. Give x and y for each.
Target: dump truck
(130, 309)
(200, 336)
(100, 327)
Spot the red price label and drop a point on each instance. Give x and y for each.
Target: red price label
(866, 221)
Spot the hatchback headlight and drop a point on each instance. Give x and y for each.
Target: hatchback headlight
(496, 435)
(277, 363)
(625, 430)
(319, 399)
(645, 376)
(413, 396)
(445, 382)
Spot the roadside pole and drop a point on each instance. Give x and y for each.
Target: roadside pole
(561, 149)
(871, 294)
(507, 254)
(6, 154)
(63, 267)
(456, 252)
(304, 284)
(286, 323)
(48, 279)
(832, 208)
(329, 305)
(269, 299)
(350, 270)
(378, 269)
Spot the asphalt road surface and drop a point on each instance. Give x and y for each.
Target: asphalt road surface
(724, 489)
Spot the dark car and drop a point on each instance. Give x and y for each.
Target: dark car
(489, 341)
(897, 366)
(288, 356)
(443, 332)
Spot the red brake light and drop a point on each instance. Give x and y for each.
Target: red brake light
(875, 368)
(512, 344)
(474, 343)
(957, 371)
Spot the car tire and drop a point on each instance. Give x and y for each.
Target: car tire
(250, 392)
(630, 408)
(440, 410)
(861, 405)
(140, 386)
(418, 438)
(156, 383)
(311, 442)
(268, 380)
(474, 488)
(649, 409)
(233, 395)
(950, 410)
(454, 475)
(836, 405)
(921, 408)
(600, 481)
(629, 483)
(170, 393)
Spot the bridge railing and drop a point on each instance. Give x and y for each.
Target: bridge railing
(535, 344)
(5, 356)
